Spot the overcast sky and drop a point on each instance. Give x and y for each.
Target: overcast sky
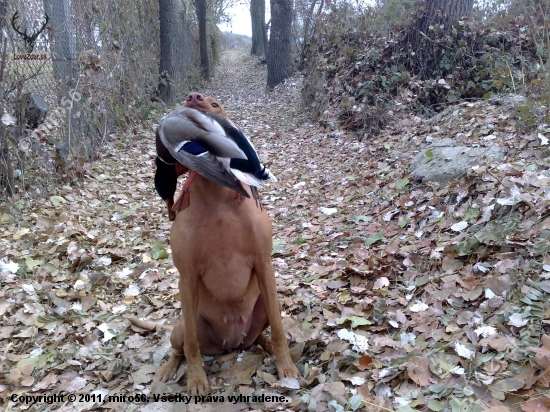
(241, 18)
(241, 21)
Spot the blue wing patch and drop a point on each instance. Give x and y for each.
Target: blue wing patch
(193, 148)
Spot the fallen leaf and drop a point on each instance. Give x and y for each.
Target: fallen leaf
(380, 283)
(460, 226)
(418, 370)
(418, 307)
(8, 119)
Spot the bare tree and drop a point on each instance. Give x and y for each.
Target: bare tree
(279, 65)
(6, 169)
(219, 9)
(306, 12)
(63, 46)
(438, 14)
(201, 8)
(166, 66)
(3, 10)
(447, 10)
(3, 39)
(257, 17)
(183, 45)
(65, 68)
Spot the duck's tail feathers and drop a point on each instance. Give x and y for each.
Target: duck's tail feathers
(267, 175)
(247, 178)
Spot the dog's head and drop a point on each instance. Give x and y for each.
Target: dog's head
(204, 104)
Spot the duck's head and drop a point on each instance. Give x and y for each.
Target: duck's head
(206, 104)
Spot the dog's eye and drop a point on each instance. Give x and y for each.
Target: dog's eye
(215, 105)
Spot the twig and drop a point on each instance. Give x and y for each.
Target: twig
(149, 326)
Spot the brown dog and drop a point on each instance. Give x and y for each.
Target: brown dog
(222, 250)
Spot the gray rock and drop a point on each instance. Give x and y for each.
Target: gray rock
(451, 162)
(507, 101)
(36, 110)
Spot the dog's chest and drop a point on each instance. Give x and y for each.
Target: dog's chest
(230, 284)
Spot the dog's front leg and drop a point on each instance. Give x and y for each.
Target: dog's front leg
(169, 369)
(184, 341)
(197, 383)
(268, 289)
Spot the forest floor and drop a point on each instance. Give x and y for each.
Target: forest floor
(396, 295)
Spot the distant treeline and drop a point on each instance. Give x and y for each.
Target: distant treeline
(235, 41)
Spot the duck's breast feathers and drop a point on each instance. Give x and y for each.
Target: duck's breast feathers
(184, 125)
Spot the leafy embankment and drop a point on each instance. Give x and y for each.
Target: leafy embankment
(398, 294)
(363, 75)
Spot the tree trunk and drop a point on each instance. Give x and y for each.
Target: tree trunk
(65, 68)
(257, 17)
(279, 65)
(62, 41)
(166, 66)
(3, 10)
(181, 49)
(6, 168)
(200, 7)
(3, 41)
(436, 18)
(457, 8)
(306, 35)
(445, 11)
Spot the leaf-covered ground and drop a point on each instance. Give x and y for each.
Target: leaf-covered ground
(396, 295)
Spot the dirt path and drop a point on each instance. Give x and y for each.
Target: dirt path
(81, 261)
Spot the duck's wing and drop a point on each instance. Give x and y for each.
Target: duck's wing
(212, 168)
(199, 143)
(248, 170)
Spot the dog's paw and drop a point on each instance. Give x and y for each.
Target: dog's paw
(197, 384)
(167, 371)
(287, 369)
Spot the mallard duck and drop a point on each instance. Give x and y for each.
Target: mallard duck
(168, 169)
(210, 145)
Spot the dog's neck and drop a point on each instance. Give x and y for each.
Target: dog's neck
(208, 193)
